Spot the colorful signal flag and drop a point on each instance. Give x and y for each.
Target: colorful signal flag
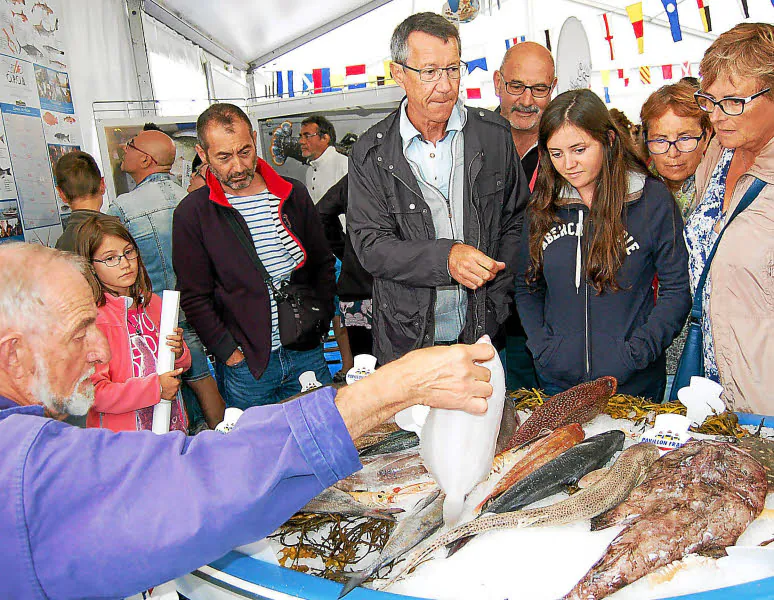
(670, 6)
(635, 16)
(607, 30)
(645, 75)
(705, 14)
(356, 76)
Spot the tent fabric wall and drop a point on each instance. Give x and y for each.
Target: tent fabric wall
(100, 61)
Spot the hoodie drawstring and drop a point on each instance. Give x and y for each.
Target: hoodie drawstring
(579, 233)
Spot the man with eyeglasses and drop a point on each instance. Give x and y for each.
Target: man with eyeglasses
(436, 202)
(524, 84)
(146, 212)
(326, 166)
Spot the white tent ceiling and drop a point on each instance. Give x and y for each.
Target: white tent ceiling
(256, 31)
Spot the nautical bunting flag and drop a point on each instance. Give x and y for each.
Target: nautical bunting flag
(635, 16)
(705, 14)
(605, 74)
(606, 29)
(687, 69)
(322, 80)
(356, 76)
(670, 6)
(607, 95)
(388, 80)
(337, 82)
(308, 82)
(513, 41)
(645, 75)
(477, 63)
(548, 38)
(621, 74)
(666, 71)
(474, 93)
(744, 9)
(285, 84)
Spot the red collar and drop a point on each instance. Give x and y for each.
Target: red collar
(275, 183)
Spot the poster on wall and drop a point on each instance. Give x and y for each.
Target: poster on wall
(113, 134)
(10, 225)
(39, 124)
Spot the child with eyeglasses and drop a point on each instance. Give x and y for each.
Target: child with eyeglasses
(127, 388)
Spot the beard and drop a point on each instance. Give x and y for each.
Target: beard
(523, 111)
(77, 403)
(228, 180)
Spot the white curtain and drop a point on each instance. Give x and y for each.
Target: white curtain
(99, 60)
(176, 68)
(228, 85)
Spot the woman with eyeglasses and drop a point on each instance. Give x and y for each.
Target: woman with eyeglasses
(129, 314)
(676, 134)
(597, 231)
(737, 92)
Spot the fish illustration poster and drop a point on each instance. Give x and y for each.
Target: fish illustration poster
(39, 123)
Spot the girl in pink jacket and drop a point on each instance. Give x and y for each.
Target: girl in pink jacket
(127, 388)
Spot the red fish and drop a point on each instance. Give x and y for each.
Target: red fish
(49, 119)
(579, 404)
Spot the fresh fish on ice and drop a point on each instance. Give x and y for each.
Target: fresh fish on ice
(335, 502)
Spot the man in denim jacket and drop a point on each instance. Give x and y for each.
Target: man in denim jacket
(146, 212)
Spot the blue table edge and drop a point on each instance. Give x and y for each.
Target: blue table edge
(280, 579)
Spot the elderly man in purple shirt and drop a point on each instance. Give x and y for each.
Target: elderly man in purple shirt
(92, 513)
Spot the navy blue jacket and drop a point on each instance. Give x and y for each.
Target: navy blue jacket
(578, 335)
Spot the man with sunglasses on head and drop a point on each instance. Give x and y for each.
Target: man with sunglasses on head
(146, 212)
(436, 202)
(524, 84)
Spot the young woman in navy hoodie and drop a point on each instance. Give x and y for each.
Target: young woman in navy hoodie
(597, 231)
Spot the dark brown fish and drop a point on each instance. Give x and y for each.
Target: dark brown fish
(579, 404)
(508, 425)
(695, 499)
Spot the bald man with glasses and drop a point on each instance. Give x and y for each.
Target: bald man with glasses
(146, 212)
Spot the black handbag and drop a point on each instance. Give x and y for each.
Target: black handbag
(692, 359)
(300, 312)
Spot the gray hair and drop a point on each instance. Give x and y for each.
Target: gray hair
(426, 22)
(28, 282)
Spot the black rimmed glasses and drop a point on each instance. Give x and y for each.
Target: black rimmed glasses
(517, 88)
(731, 105)
(130, 144)
(114, 261)
(431, 74)
(685, 143)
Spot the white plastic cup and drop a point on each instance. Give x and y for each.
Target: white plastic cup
(308, 381)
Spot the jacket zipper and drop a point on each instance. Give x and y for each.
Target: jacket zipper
(587, 342)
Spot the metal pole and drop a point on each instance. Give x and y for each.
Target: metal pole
(140, 53)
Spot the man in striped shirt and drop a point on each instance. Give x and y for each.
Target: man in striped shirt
(222, 292)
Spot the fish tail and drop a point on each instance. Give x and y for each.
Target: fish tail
(355, 580)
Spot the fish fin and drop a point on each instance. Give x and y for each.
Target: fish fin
(355, 580)
(592, 477)
(427, 500)
(383, 514)
(760, 426)
(458, 545)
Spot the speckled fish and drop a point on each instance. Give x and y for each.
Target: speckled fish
(696, 499)
(385, 470)
(538, 454)
(566, 469)
(395, 442)
(579, 404)
(762, 450)
(335, 502)
(625, 474)
(423, 521)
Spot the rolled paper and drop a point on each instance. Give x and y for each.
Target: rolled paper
(165, 359)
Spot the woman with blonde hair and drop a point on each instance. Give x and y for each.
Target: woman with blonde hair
(676, 133)
(735, 216)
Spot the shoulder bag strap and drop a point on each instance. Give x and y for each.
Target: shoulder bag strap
(249, 247)
(750, 195)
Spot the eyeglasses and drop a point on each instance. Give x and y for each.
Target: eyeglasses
(306, 136)
(685, 143)
(130, 144)
(516, 88)
(431, 74)
(731, 105)
(114, 261)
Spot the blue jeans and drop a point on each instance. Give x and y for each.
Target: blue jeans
(278, 382)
